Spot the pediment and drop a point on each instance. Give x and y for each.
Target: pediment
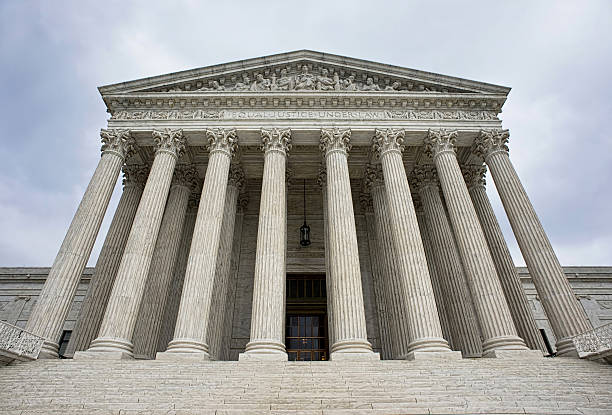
(302, 72)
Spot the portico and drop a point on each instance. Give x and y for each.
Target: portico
(196, 262)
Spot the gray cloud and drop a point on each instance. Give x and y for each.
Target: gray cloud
(556, 55)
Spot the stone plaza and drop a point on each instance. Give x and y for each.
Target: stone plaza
(313, 208)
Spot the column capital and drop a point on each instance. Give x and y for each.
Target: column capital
(373, 176)
(185, 175)
(490, 142)
(135, 175)
(276, 139)
(335, 139)
(440, 141)
(170, 141)
(224, 140)
(322, 177)
(236, 176)
(365, 199)
(119, 142)
(387, 140)
(425, 176)
(474, 175)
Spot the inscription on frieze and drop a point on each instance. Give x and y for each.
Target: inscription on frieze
(305, 115)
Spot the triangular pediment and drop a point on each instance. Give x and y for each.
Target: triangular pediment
(302, 72)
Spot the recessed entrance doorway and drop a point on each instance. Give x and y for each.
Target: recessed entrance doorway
(306, 322)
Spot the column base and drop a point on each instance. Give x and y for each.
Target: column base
(566, 348)
(49, 350)
(428, 345)
(351, 346)
(503, 343)
(514, 354)
(448, 355)
(92, 355)
(112, 346)
(182, 357)
(188, 346)
(353, 357)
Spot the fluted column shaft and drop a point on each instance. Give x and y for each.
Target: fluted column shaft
(464, 327)
(190, 333)
(119, 321)
(377, 277)
(55, 299)
(149, 322)
(322, 180)
(425, 331)
(434, 273)
(349, 324)
(397, 308)
(222, 273)
(95, 301)
(566, 315)
(268, 310)
(178, 276)
(509, 278)
(496, 323)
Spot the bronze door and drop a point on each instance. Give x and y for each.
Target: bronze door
(306, 337)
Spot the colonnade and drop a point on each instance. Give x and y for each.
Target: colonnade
(443, 275)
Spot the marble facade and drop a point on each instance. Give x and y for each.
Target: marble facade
(216, 161)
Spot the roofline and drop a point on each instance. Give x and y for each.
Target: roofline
(301, 54)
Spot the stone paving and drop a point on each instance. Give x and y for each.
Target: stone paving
(490, 386)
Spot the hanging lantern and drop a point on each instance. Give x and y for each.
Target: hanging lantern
(305, 229)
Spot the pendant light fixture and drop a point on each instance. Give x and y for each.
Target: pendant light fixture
(305, 229)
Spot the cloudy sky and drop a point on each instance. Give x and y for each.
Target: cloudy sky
(556, 55)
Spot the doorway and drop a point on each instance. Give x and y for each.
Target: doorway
(306, 321)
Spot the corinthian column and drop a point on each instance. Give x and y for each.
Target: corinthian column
(115, 337)
(498, 331)
(463, 324)
(566, 315)
(53, 304)
(322, 181)
(94, 303)
(416, 291)
(377, 275)
(222, 273)
(398, 308)
(268, 311)
(178, 275)
(190, 333)
(349, 324)
(148, 325)
(506, 271)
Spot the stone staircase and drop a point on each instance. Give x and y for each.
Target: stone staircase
(491, 386)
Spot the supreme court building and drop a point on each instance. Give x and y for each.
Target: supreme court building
(305, 206)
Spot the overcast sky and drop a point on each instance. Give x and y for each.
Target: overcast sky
(556, 56)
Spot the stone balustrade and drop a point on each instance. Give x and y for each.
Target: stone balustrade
(18, 344)
(595, 344)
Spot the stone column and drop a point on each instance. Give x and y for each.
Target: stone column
(222, 274)
(114, 340)
(190, 333)
(53, 304)
(498, 331)
(98, 293)
(463, 323)
(434, 271)
(322, 181)
(506, 271)
(566, 315)
(178, 275)
(377, 275)
(349, 324)
(424, 329)
(397, 307)
(148, 324)
(228, 321)
(268, 311)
